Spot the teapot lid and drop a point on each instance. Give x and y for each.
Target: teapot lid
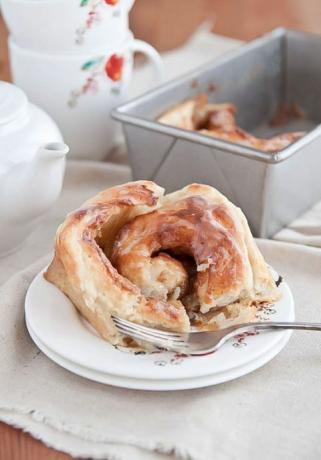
(13, 103)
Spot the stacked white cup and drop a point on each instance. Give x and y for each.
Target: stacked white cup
(74, 58)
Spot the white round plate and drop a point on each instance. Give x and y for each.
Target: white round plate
(57, 324)
(161, 385)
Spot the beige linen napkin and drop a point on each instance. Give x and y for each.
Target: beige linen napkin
(274, 412)
(304, 230)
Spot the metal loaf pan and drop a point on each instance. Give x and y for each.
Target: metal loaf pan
(278, 69)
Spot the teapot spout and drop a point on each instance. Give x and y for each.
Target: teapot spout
(32, 188)
(53, 150)
(46, 173)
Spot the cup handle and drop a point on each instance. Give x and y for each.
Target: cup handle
(151, 53)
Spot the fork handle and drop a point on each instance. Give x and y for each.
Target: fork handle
(281, 325)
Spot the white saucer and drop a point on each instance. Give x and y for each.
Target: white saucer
(161, 385)
(65, 337)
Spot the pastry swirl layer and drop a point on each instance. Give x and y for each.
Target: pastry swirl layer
(170, 261)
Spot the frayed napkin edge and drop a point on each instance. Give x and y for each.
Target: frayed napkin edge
(78, 432)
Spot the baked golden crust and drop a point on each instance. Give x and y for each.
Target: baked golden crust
(218, 120)
(160, 260)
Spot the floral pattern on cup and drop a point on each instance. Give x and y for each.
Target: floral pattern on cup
(96, 69)
(93, 16)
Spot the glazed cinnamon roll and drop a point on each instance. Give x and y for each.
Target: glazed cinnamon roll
(218, 120)
(176, 261)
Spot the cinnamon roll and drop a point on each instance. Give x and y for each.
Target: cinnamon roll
(176, 261)
(218, 120)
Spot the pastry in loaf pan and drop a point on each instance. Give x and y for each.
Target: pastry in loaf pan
(218, 120)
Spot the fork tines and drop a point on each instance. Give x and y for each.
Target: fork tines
(172, 340)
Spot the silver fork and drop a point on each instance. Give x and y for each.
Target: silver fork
(199, 343)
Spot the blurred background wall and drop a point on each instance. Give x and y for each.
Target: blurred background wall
(168, 23)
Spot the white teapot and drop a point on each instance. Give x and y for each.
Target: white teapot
(32, 165)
